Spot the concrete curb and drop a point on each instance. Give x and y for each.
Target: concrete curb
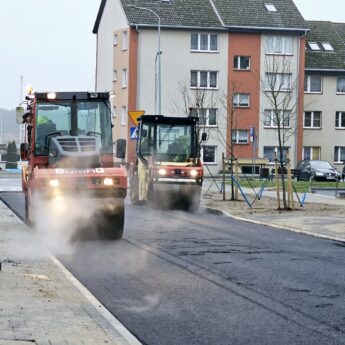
(275, 226)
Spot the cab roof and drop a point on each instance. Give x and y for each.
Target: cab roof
(161, 119)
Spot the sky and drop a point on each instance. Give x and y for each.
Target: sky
(50, 43)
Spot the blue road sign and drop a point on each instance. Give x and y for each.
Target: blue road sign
(134, 133)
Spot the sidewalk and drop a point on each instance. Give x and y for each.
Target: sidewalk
(40, 303)
(322, 216)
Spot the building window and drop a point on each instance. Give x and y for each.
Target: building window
(240, 136)
(313, 83)
(204, 79)
(341, 84)
(240, 100)
(204, 42)
(278, 45)
(207, 116)
(124, 40)
(123, 116)
(271, 119)
(339, 154)
(115, 40)
(242, 62)
(270, 7)
(114, 75)
(311, 153)
(314, 46)
(270, 150)
(312, 119)
(209, 154)
(124, 78)
(340, 119)
(327, 46)
(278, 82)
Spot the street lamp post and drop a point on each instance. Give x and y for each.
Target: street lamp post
(158, 104)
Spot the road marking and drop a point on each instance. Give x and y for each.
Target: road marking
(115, 323)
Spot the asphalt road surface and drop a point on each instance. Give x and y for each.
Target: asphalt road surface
(185, 279)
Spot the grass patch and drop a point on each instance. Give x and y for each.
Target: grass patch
(300, 186)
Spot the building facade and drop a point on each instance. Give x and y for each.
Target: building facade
(324, 88)
(218, 61)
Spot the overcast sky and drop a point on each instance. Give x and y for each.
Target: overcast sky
(50, 43)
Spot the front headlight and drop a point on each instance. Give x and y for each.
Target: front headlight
(108, 181)
(317, 173)
(193, 173)
(54, 183)
(162, 172)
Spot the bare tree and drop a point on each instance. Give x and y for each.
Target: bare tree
(194, 101)
(227, 100)
(281, 94)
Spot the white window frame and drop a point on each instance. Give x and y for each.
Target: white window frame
(337, 154)
(115, 39)
(238, 98)
(237, 62)
(276, 149)
(327, 46)
(114, 75)
(338, 121)
(311, 152)
(341, 89)
(308, 82)
(196, 112)
(271, 118)
(199, 38)
(279, 81)
(314, 46)
(198, 80)
(123, 115)
(312, 119)
(283, 42)
(124, 40)
(236, 137)
(215, 154)
(124, 78)
(270, 7)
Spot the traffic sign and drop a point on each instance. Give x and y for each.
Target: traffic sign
(252, 134)
(134, 133)
(135, 114)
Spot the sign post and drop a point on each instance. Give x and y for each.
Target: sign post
(252, 139)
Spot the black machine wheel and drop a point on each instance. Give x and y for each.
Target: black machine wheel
(107, 223)
(28, 210)
(194, 204)
(110, 223)
(134, 189)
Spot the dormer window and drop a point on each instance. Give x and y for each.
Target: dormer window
(270, 7)
(314, 46)
(327, 46)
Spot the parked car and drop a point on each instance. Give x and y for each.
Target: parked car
(316, 169)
